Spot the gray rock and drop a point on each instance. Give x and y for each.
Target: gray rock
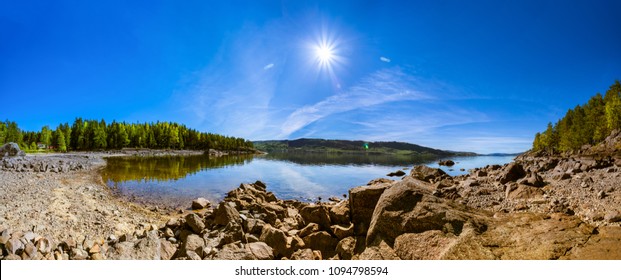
(11, 150)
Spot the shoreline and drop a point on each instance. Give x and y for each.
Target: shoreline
(69, 206)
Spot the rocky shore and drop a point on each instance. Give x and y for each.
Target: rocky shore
(537, 207)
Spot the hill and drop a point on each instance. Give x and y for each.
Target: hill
(348, 146)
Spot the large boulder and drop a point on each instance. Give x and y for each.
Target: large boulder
(409, 207)
(11, 150)
(428, 174)
(277, 239)
(512, 173)
(225, 213)
(362, 201)
(323, 242)
(428, 245)
(192, 243)
(318, 214)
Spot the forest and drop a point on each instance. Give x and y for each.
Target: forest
(588, 124)
(93, 135)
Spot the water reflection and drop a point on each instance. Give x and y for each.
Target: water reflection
(175, 181)
(165, 168)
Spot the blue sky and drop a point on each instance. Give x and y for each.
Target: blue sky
(480, 76)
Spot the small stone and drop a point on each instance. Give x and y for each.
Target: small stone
(96, 256)
(31, 250)
(4, 237)
(168, 233)
(601, 195)
(261, 250)
(78, 254)
(43, 245)
(30, 236)
(200, 203)
(13, 246)
(613, 217)
(94, 249)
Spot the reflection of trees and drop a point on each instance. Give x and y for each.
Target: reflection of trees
(121, 169)
(351, 158)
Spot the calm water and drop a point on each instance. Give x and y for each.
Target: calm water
(177, 180)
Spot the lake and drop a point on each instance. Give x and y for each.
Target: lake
(176, 180)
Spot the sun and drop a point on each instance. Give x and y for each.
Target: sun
(324, 54)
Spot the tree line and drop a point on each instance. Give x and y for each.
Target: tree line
(91, 135)
(589, 124)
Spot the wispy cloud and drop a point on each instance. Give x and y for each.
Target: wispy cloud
(384, 59)
(383, 86)
(266, 67)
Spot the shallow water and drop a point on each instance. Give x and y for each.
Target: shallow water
(175, 181)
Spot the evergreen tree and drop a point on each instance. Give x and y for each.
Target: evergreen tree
(60, 142)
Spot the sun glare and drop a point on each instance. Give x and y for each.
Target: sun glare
(324, 54)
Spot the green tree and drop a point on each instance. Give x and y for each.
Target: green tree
(60, 140)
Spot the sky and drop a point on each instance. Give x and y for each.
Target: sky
(479, 76)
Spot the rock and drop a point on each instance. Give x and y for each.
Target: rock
(446, 162)
(260, 250)
(200, 203)
(4, 237)
(11, 150)
(308, 229)
(225, 214)
(342, 232)
(525, 192)
(147, 248)
(339, 213)
(428, 245)
(14, 246)
(318, 214)
(94, 249)
(512, 172)
(323, 242)
(481, 173)
(191, 255)
(379, 250)
(397, 173)
(601, 194)
(31, 250)
(167, 249)
(192, 243)
(427, 174)
(613, 217)
(275, 238)
(362, 201)
(409, 207)
(78, 254)
(303, 254)
(44, 245)
(346, 247)
(533, 180)
(195, 223)
(12, 257)
(168, 233)
(379, 181)
(30, 236)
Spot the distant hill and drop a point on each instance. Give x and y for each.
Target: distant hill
(347, 146)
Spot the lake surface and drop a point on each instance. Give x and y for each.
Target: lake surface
(176, 180)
